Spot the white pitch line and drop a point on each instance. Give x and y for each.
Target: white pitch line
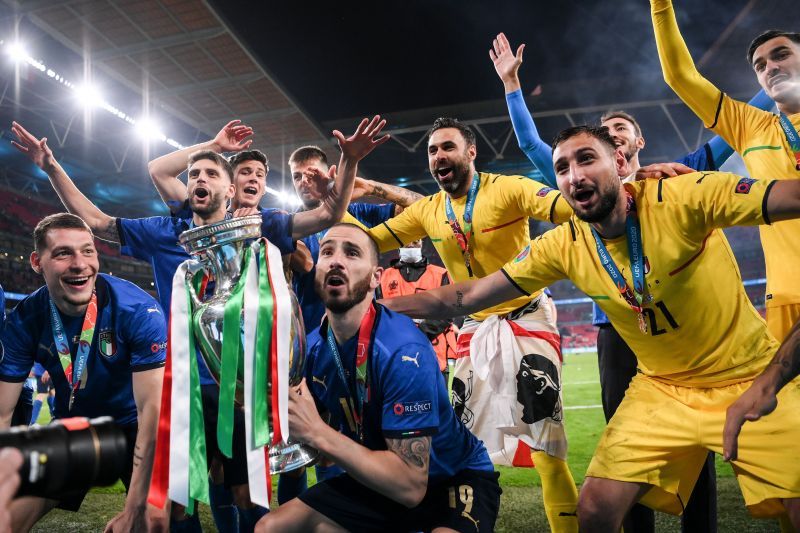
(570, 407)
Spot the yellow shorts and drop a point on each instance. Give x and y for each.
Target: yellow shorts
(781, 318)
(661, 435)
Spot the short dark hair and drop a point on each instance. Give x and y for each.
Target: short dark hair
(56, 221)
(211, 155)
(615, 113)
(447, 122)
(598, 132)
(249, 155)
(373, 246)
(307, 153)
(767, 36)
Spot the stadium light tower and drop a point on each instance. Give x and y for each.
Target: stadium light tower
(17, 52)
(88, 96)
(147, 129)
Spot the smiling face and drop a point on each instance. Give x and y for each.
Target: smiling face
(625, 136)
(587, 171)
(451, 160)
(250, 181)
(347, 269)
(69, 263)
(209, 187)
(777, 66)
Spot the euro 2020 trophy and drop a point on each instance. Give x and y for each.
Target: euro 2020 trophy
(221, 251)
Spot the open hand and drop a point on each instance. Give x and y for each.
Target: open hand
(506, 62)
(362, 142)
(662, 170)
(319, 180)
(757, 401)
(233, 137)
(36, 149)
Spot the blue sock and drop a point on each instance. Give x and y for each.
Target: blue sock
(37, 407)
(327, 472)
(249, 517)
(51, 403)
(190, 525)
(290, 486)
(222, 509)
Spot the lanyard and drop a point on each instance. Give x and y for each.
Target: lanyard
(84, 345)
(362, 355)
(463, 236)
(791, 137)
(636, 297)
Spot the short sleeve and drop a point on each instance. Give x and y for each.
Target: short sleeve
(534, 199)
(710, 200)
(402, 229)
(137, 236)
(276, 227)
(541, 262)
(17, 348)
(409, 400)
(371, 214)
(146, 334)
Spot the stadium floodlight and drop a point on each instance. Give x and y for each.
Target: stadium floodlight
(88, 95)
(17, 52)
(147, 128)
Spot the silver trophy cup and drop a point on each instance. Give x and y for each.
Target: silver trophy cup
(219, 251)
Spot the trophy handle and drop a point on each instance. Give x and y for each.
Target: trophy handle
(190, 273)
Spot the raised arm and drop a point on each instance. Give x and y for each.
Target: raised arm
(507, 64)
(460, 299)
(678, 67)
(400, 473)
(354, 149)
(399, 196)
(164, 170)
(103, 226)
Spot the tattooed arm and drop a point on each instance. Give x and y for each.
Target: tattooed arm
(761, 398)
(399, 473)
(459, 299)
(103, 226)
(399, 196)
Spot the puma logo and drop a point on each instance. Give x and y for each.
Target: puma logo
(476, 522)
(411, 359)
(315, 379)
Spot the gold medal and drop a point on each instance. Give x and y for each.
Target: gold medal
(642, 323)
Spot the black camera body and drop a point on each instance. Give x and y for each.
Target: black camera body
(69, 455)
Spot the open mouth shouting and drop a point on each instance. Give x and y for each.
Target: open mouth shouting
(250, 190)
(444, 173)
(200, 193)
(335, 279)
(583, 197)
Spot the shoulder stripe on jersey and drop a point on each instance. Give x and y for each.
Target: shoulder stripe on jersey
(496, 178)
(660, 183)
(553, 207)
(118, 222)
(514, 283)
(572, 230)
(393, 234)
(719, 108)
(764, 212)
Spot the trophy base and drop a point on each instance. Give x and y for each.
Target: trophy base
(286, 457)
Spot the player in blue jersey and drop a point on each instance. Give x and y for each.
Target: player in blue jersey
(411, 464)
(155, 239)
(309, 166)
(103, 341)
(24, 408)
(616, 360)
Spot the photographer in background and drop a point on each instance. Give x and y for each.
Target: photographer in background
(102, 340)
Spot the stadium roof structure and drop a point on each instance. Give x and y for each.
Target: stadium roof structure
(295, 72)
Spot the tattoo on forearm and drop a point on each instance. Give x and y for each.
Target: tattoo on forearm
(788, 356)
(398, 195)
(109, 233)
(415, 451)
(459, 300)
(137, 456)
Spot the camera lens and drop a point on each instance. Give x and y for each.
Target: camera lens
(68, 455)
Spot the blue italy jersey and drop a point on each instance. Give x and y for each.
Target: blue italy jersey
(701, 159)
(155, 240)
(130, 336)
(313, 309)
(408, 395)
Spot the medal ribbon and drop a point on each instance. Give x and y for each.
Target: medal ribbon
(84, 345)
(791, 137)
(463, 236)
(633, 231)
(363, 349)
